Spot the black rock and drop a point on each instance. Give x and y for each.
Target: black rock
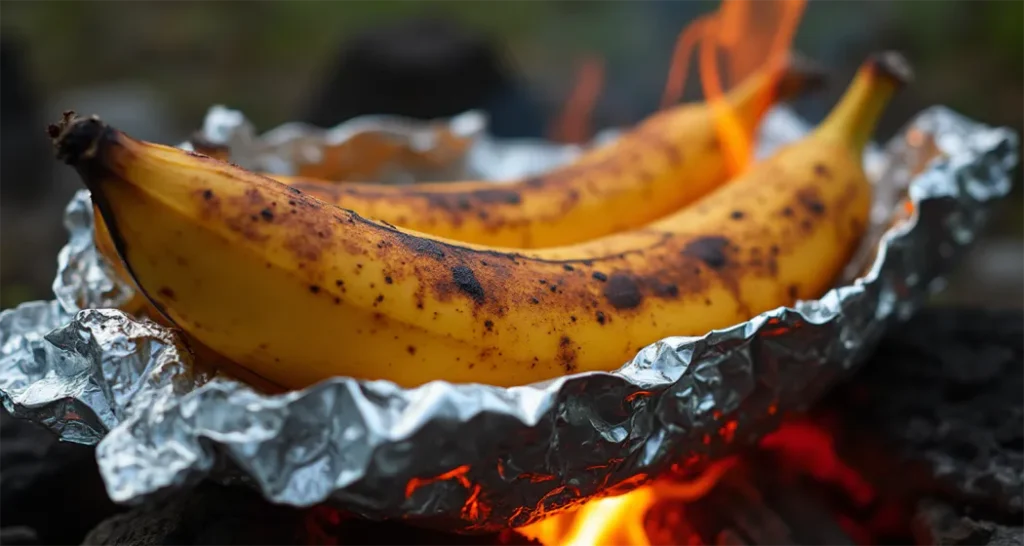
(208, 515)
(50, 488)
(18, 536)
(939, 524)
(215, 514)
(945, 389)
(750, 504)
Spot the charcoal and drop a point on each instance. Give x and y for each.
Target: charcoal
(216, 514)
(750, 505)
(41, 476)
(209, 515)
(18, 536)
(945, 390)
(940, 524)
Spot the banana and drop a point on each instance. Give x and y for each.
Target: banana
(670, 160)
(297, 290)
(664, 163)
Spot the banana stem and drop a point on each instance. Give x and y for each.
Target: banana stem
(854, 119)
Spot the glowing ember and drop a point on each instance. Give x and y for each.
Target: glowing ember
(473, 509)
(812, 449)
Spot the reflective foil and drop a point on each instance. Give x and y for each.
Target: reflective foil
(474, 457)
(382, 149)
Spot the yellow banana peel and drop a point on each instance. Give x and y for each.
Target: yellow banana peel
(296, 290)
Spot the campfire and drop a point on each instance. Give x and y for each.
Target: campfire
(767, 463)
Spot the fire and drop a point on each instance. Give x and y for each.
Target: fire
(724, 502)
(742, 35)
(799, 449)
(573, 125)
(617, 521)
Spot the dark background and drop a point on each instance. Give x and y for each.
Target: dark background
(153, 69)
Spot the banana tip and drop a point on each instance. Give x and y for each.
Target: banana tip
(891, 65)
(204, 146)
(75, 138)
(801, 74)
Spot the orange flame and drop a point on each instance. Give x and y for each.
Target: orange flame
(746, 35)
(616, 521)
(573, 125)
(742, 35)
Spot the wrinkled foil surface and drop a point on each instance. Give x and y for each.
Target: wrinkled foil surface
(383, 149)
(474, 457)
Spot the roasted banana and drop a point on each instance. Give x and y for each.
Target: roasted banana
(297, 290)
(666, 162)
(662, 164)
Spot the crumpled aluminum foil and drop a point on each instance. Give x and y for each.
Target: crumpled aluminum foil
(479, 458)
(383, 149)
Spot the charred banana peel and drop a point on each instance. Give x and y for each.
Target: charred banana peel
(297, 290)
(666, 162)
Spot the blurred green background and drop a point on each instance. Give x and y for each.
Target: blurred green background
(160, 65)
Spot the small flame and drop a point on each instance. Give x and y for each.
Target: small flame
(573, 126)
(616, 521)
(745, 35)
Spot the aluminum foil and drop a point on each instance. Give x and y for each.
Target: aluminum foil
(478, 458)
(383, 149)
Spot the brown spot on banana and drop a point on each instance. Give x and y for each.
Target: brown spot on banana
(810, 199)
(566, 356)
(622, 291)
(709, 249)
(820, 169)
(465, 280)
(667, 161)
